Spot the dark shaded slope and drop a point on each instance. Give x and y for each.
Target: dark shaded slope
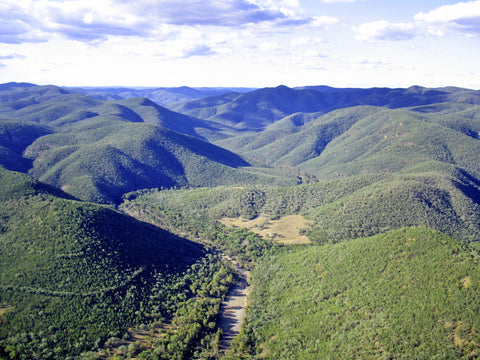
(15, 137)
(73, 274)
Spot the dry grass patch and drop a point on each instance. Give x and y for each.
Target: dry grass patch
(5, 308)
(285, 230)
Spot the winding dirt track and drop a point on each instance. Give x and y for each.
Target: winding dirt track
(232, 311)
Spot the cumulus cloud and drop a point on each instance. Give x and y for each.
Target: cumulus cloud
(463, 17)
(16, 25)
(383, 30)
(93, 20)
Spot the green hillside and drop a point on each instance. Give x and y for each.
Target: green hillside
(256, 110)
(100, 160)
(408, 294)
(297, 138)
(398, 140)
(73, 275)
(447, 200)
(97, 150)
(55, 106)
(79, 280)
(362, 140)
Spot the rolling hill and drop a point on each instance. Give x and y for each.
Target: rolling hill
(397, 164)
(257, 109)
(97, 150)
(367, 139)
(364, 205)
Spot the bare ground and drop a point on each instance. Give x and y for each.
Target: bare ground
(232, 311)
(285, 230)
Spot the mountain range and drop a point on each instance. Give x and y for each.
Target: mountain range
(400, 165)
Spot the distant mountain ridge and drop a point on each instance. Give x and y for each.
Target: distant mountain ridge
(257, 109)
(164, 96)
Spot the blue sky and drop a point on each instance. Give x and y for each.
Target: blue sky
(253, 43)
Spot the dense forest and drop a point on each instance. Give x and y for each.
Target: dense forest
(116, 213)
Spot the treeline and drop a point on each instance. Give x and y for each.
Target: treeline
(447, 200)
(243, 245)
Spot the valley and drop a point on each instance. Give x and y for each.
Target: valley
(131, 227)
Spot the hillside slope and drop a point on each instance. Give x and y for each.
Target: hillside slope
(73, 274)
(448, 201)
(407, 294)
(400, 140)
(98, 150)
(367, 139)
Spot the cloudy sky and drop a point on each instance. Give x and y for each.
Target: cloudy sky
(253, 43)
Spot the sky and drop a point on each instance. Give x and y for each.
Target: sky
(241, 43)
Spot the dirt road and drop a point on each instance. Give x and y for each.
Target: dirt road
(232, 311)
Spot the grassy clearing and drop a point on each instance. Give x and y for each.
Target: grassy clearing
(286, 230)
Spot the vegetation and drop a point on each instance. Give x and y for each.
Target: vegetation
(256, 110)
(73, 275)
(97, 150)
(188, 219)
(339, 210)
(82, 280)
(408, 294)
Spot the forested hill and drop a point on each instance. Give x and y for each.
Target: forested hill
(99, 150)
(257, 109)
(82, 280)
(74, 274)
(367, 139)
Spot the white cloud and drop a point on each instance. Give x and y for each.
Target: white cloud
(324, 21)
(368, 63)
(383, 30)
(268, 46)
(464, 17)
(97, 20)
(6, 54)
(306, 41)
